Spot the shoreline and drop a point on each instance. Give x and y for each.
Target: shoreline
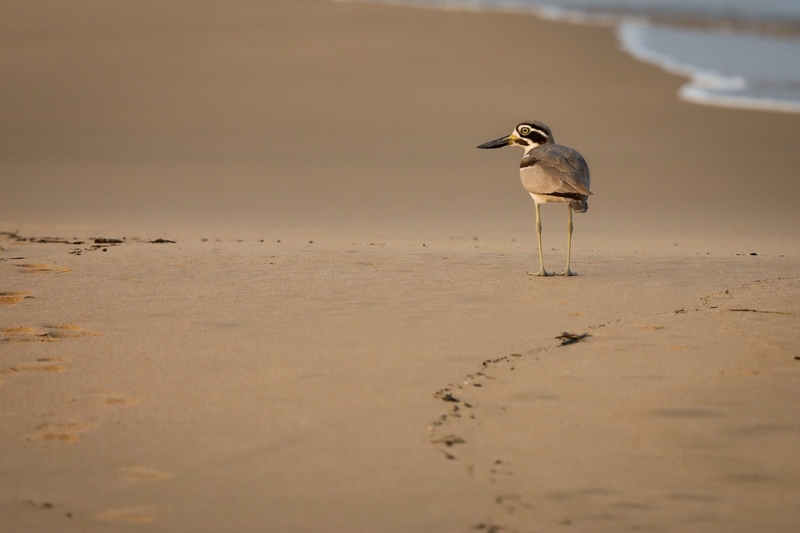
(703, 82)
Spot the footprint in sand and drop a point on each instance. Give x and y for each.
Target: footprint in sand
(60, 431)
(13, 297)
(47, 333)
(69, 331)
(24, 335)
(114, 398)
(129, 515)
(143, 473)
(40, 268)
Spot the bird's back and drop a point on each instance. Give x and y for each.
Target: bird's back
(556, 170)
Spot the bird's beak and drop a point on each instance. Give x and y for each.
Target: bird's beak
(499, 143)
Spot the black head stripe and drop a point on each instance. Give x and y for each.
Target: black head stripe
(538, 137)
(522, 141)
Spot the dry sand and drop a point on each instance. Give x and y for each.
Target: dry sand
(400, 372)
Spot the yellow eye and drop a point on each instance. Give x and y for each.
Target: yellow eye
(524, 130)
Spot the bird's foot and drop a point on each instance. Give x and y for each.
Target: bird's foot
(568, 272)
(541, 272)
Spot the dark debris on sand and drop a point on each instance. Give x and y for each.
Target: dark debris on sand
(41, 240)
(449, 440)
(571, 338)
(446, 396)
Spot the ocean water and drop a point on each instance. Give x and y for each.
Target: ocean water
(736, 53)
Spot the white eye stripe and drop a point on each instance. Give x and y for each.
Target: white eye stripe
(527, 130)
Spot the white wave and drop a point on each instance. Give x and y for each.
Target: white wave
(753, 72)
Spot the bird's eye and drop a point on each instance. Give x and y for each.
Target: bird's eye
(524, 130)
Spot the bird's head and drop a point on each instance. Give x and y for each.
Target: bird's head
(527, 134)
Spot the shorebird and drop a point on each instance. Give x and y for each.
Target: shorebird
(550, 172)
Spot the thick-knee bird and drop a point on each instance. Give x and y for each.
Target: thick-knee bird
(550, 172)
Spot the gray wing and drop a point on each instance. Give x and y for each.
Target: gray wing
(553, 168)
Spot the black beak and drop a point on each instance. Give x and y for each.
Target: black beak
(498, 143)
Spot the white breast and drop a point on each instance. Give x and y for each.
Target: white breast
(541, 199)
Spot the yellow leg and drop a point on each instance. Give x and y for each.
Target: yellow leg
(542, 271)
(567, 271)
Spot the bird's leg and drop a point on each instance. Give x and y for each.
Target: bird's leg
(567, 271)
(542, 271)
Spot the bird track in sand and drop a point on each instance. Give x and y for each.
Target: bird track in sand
(473, 401)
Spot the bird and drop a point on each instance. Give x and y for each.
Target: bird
(550, 172)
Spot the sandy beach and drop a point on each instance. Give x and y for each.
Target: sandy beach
(255, 276)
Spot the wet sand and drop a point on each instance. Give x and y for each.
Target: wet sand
(343, 336)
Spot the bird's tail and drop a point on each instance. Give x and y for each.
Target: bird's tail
(579, 205)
